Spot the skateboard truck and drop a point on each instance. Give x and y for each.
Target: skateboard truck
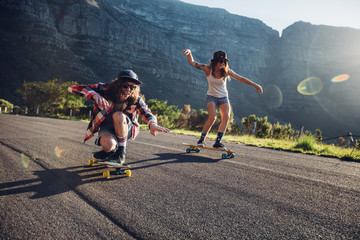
(123, 170)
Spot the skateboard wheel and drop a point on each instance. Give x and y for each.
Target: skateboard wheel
(91, 162)
(232, 155)
(106, 174)
(188, 150)
(197, 150)
(127, 173)
(224, 156)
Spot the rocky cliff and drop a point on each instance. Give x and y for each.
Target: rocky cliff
(91, 40)
(328, 60)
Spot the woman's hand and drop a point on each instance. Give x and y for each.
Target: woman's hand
(101, 102)
(258, 88)
(186, 52)
(197, 65)
(156, 128)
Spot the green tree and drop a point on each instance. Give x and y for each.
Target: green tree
(67, 101)
(49, 96)
(6, 104)
(39, 94)
(166, 114)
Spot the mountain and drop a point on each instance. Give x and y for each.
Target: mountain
(92, 40)
(328, 58)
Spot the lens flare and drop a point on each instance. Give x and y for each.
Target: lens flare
(25, 160)
(340, 78)
(310, 86)
(58, 151)
(273, 97)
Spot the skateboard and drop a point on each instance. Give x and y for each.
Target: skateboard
(118, 169)
(196, 148)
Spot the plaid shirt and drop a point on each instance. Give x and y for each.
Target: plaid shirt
(98, 115)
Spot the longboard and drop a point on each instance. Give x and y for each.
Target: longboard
(195, 148)
(119, 169)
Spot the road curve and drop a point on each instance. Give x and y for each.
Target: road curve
(48, 191)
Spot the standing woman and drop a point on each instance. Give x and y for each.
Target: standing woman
(217, 96)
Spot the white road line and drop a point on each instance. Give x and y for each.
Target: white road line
(293, 175)
(158, 146)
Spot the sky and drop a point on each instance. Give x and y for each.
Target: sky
(279, 14)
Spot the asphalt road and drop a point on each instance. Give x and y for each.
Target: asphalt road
(48, 191)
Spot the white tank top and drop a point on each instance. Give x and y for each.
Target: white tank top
(217, 87)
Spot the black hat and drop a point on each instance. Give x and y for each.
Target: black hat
(130, 76)
(220, 55)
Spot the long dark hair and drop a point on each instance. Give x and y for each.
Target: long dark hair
(115, 90)
(220, 56)
(224, 72)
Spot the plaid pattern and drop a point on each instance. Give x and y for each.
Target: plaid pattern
(98, 115)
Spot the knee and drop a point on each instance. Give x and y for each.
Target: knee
(108, 143)
(212, 118)
(225, 118)
(119, 117)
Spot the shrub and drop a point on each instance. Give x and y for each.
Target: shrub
(318, 134)
(197, 119)
(262, 126)
(166, 115)
(341, 142)
(264, 130)
(234, 129)
(276, 131)
(282, 131)
(248, 123)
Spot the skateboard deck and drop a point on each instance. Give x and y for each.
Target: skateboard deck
(118, 169)
(195, 148)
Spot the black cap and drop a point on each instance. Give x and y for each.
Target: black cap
(220, 55)
(130, 76)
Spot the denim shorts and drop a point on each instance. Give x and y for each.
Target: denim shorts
(217, 101)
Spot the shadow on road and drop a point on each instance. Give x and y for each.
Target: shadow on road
(50, 182)
(172, 158)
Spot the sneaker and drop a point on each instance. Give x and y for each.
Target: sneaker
(219, 145)
(101, 155)
(118, 158)
(201, 143)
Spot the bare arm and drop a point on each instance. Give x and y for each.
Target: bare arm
(245, 80)
(191, 61)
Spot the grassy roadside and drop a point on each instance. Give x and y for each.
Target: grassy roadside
(306, 145)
